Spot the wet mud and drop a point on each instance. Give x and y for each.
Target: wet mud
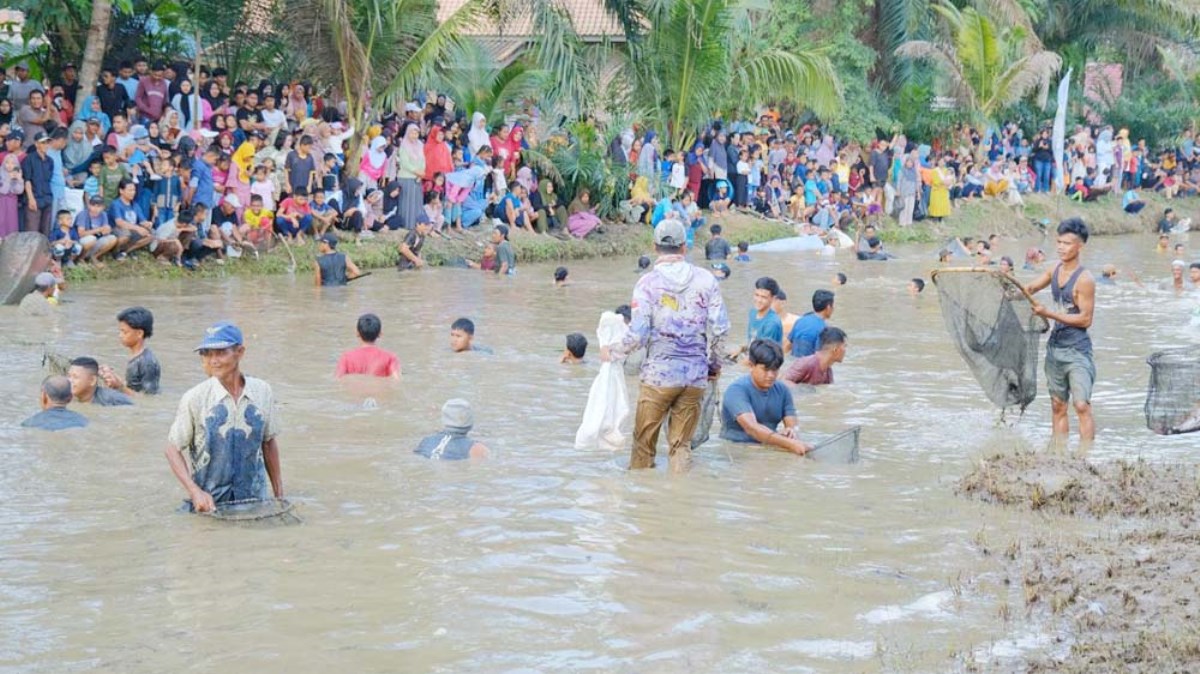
(1122, 598)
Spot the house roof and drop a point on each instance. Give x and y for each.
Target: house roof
(589, 17)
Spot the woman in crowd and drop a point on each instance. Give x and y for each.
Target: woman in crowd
(581, 219)
(12, 185)
(410, 168)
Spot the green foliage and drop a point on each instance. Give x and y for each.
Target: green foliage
(577, 159)
(477, 83)
(1153, 108)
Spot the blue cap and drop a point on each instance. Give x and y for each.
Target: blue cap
(221, 336)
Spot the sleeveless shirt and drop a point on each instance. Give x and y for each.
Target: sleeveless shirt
(333, 269)
(1065, 335)
(445, 446)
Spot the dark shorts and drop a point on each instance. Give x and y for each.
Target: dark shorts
(1070, 373)
(130, 235)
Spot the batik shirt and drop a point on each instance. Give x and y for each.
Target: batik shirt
(222, 438)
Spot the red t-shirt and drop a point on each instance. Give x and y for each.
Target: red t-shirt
(369, 360)
(807, 370)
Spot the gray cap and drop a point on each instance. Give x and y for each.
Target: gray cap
(457, 416)
(45, 280)
(670, 233)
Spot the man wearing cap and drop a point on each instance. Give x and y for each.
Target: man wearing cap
(452, 443)
(38, 170)
(331, 266)
(40, 301)
(680, 318)
(94, 230)
(222, 445)
(14, 143)
(56, 395)
(18, 91)
(151, 96)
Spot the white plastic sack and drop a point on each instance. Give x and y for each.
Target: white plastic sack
(608, 404)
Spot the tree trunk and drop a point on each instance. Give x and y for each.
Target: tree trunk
(93, 52)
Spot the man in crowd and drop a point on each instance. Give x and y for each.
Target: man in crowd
(38, 171)
(369, 359)
(151, 96)
(452, 443)
(222, 446)
(114, 99)
(817, 369)
(56, 395)
(679, 317)
(84, 374)
(807, 330)
(756, 404)
(133, 227)
(35, 116)
(19, 91)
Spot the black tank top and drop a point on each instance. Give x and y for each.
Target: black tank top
(1064, 297)
(333, 269)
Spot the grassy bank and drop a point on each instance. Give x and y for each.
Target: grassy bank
(383, 252)
(990, 216)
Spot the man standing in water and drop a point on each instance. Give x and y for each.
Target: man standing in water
(1070, 369)
(222, 446)
(679, 316)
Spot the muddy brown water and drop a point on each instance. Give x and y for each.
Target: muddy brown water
(544, 558)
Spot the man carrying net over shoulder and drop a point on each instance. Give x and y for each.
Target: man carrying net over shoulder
(1070, 368)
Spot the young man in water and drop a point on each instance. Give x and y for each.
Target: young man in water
(764, 322)
(222, 445)
(452, 443)
(462, 337)
(1070, 368)
(84, 374)
(576, 349)
(331, 267)
(787, 318)
(56, 395)
(817, 369)
(756, 404)
(679, 318)
(369, 359)
(807, 330)
(134, 326)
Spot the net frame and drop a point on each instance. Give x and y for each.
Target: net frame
(839, 447)
(1173, 394)
(982, 324)
(240, 510)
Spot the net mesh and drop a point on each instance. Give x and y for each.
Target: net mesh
(837, 448)
(1173, 398)
(272, 511)
(995, 330)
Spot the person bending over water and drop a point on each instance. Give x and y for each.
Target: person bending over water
(1070, 367)
(369, 359)
(756, 404)
(56, 395)
(222, 445)
(452, 443)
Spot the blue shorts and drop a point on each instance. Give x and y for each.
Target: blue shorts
(1070, 373)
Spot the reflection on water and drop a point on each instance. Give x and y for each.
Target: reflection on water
(545, 558)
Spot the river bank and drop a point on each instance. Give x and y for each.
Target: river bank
(1123, 598)
(976, 218)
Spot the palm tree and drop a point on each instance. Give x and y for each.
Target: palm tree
(694, 59)
(378, 51)
(986, 68)
(1133, 29)
(477, 83)
(93, 50)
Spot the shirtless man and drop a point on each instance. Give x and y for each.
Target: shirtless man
(1070, 368)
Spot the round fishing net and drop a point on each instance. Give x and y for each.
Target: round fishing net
(837, 448)
(991, 320)
(256, 511)
(1173, 398)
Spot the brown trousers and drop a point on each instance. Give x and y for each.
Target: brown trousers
(653, 406)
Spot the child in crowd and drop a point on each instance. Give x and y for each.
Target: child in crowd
(259, 221)
(64, 240)
(263, 187)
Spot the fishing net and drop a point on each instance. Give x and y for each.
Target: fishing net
(1173, 399)
(995, 330)
(256, 511)
(837, 448)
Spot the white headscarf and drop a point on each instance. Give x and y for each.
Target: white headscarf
(477, 137)
(376, 155)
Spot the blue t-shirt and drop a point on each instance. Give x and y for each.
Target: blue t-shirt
(202, 180)
(84, 222)
(805, 334)
(770, 407)
(767, 327)
(119, 210)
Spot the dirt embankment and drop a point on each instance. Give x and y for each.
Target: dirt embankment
(1128, 598)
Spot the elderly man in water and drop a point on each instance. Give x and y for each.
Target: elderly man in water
(56, 395)
(222, 445)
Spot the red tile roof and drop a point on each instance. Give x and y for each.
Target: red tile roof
(589, 17)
